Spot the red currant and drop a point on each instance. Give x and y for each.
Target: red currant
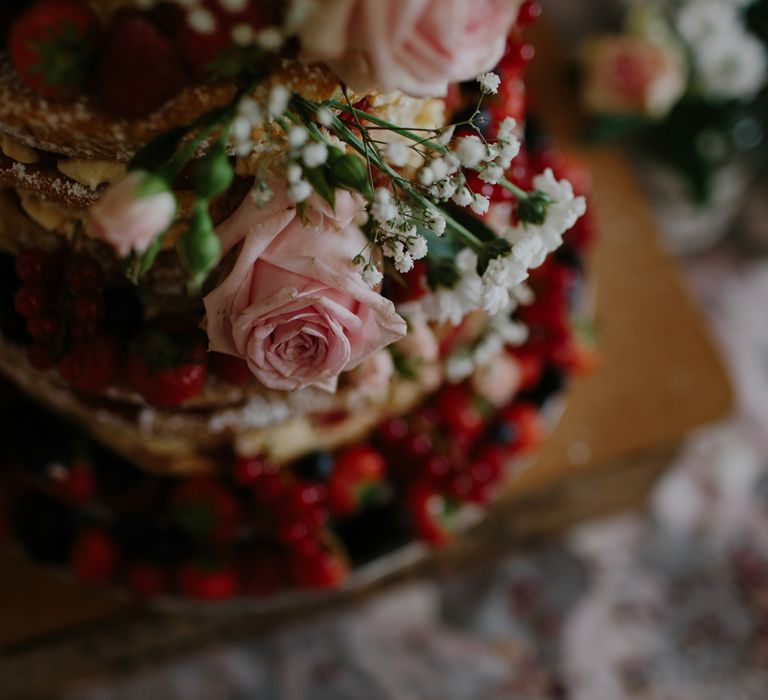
(34, 266)
(30, 301)
(45, 329)
(84, 275)
(88, 310)
(248, 470)
(207, 582)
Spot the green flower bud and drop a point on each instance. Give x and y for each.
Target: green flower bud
(200, 247)
(213, 173)
(533, 209)
(348, 171)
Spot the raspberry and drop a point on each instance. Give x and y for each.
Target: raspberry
(138, 67)
(90, 365)
(88, 310)
(45, 329)
(34, 266)
(30, 301)
(94, 556)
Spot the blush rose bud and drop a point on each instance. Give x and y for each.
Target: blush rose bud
(213, 174)
(199, 247)
(133, 213)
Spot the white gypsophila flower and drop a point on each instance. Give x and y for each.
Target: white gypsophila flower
(459, 366)
(299, 191)
(489, 83)
(201, 20)
(470, 150)
(728, 61)
(383, 208)
(297, 136)
(462, 197)
(314, 154)
(445, 135)
(403, 261)
(501, 276)
(417, 247)
(261, 193)
(480, 204)
(325, 116)
(506, 130)
(425, 175)
(491, 345)
(293, 172)
(270, 39)
(397, 153)
(443, 189)
(277, 102)
(511, 332)
(439, 167)
(507, 152)
(451, 305)
(436, 222)
(242, 34)
(492, 173)
(371, 275)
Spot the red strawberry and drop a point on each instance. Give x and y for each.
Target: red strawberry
(462, 413)
(138, 68)
(317, 569)
(207, 581)
(431, 513)
(51, 44)
(94, 556)
(523, 427)
(356, 477)
(90, 365)
(205, 509)
(167, 369)
(212, 54)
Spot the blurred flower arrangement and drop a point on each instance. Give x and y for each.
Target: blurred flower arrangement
(687, 83)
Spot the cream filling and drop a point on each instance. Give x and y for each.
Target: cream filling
(90, 172)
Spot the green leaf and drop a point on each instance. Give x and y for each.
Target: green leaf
(159, 151)
(320, 183)
(493, 249)
(613, 127)
(533, 209)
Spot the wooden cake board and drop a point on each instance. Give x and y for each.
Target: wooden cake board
(660, 376)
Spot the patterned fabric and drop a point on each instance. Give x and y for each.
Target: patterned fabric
(668, 604)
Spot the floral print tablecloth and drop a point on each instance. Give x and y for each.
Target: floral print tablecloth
(666, 604)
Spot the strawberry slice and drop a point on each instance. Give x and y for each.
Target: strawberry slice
(51, 45)
(432, 513)
(139, 69)
(167, 369)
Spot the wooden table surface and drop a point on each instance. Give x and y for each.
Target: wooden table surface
(660, 376)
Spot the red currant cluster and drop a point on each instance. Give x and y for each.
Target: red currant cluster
(61, 300)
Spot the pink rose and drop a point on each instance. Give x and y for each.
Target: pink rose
(632, 75)
(132, 213)
(294, 306)
(417, 46)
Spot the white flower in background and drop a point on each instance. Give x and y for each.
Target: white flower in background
(417, 247)
(470, 150)
(299, 191)
(728, 61)
(435, 221)
(397, 153)
(462, 197)
(371, 275)
(480, 204)
(277, 102)
(297, 136)
(314, 154)
(383, 208)
(451, 305)
(492, 173)
(489, 83)
(500, 278)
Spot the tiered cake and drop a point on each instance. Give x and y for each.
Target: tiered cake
(294, 292)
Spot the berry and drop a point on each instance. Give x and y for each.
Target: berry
(231, 369)
(34, 266)
(138, 67)
(262, 573)
(248, 470)
(87, 310)
(167, 369)
(90, 365)
(205, 509)
(51, 44)
(524, 429)
(462, 414)
(94, 556)
(269, 488)
(45, 329)
(356, 478)
(211, 54)
(516, 56)
(301, 499)
(30, 301)
(431, 513)
(146, 580)
(320, 569)
(393, 431)
(528, 13)
(84, 275)
(409, 286)
(207, 581)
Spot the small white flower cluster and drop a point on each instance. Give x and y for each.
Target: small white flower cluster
(396, 233)
(729, 62)
(251, 116)
(501, 288)
(502, 332)
(489, 83)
